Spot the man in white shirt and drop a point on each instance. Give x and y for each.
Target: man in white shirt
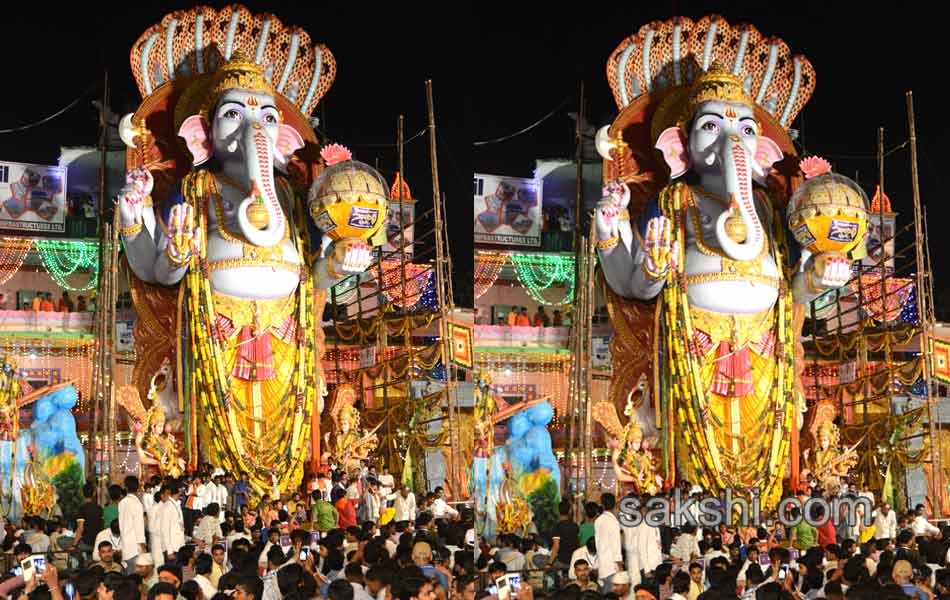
(152, 516)
(109, 534)
(885, 523)
(643, 549)
(405, 505)
(441, 508)
(920, 524)
(685, 547)
(607, 537)
(275, 558)
(171, 522)
(207, 492)
(221, 494)
(132, 524)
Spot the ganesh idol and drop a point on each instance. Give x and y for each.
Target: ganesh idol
(234, 227)
(703, 235)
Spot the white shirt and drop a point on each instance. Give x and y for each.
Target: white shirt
(581, 553)
(685, 547)
(132, 526)
(360, 593)
(262, 559)
(405, 508)
(607, 537)
(171, 526)
(207, 493)
(207, 529)
(922, 526)
(885, 526)
(207, 589)
(271, 591)
(441, 509)
(103, 536)
(221, 497)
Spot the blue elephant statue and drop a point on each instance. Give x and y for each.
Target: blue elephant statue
(529, 453)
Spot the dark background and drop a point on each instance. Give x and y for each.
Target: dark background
(866, 56)
(384, 52)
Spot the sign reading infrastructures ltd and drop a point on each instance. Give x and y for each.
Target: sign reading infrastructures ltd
(32, 197)
(507, 210)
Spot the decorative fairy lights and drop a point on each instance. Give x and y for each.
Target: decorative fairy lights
(909, 311)
(417, 280)
(13, 252)
(488, 266)
(538, 272)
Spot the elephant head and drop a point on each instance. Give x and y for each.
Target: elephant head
(724, 141)
(245, 130)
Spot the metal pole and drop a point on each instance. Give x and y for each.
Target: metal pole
(441, 284)
(925, 312)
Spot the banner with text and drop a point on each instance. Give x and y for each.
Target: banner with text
(507, 210)
(32, 197)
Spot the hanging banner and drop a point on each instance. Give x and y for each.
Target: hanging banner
(32, 197)
(880, 241)
(507, 210)
(940, 351)
(462, 345)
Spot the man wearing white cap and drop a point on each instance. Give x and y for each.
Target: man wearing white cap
(622, 586)
(145, 568)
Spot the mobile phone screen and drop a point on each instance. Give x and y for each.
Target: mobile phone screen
(303, 553)
(69, 590)
(18, 571)
(514, 581)
(40, 563)
(783, 572)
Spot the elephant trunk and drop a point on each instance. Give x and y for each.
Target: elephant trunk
(737, 171)
(259, 154)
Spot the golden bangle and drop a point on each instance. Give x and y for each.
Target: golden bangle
(624, 215)
(608, 243)
(132, 229)
(175, 262)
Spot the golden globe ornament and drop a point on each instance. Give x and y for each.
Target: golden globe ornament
(349, 199)
(736, 228)
(828, 213)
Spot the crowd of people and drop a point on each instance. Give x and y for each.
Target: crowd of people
(208, 536)
(44, 302)
(885, 556)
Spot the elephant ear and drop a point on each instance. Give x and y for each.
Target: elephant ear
(288, 142)
(196, 132)
(672, 143)
(767, 153)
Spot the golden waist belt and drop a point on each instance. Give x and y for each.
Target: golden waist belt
(259, 314)
(232, 263)
(750, 277)
(738, 329)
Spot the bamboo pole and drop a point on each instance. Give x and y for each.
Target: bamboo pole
(441, 284)
(590, 302)
(925, 312)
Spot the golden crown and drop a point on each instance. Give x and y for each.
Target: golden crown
(237, 73)
(716, 84)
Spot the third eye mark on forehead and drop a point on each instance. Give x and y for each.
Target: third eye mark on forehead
(714, 114)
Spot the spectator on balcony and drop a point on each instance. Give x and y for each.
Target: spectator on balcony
(38, 302)
(558, 319)
(512, 316)
(47, 304)
(541, 318)
(81, 304)
(66, 303)
(523, 319)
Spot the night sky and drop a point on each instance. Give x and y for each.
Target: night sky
(497, 67)
(865, 56)
(384, 54)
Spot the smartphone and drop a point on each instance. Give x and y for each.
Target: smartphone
(39, 562)
(782, 572)
(492, 589)
(514, 582)
(69, 590)
(504, 593)
(17, 571)
(303, 553)
(29, 571)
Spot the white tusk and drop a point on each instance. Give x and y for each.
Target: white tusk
(603, 143)
(127, 131)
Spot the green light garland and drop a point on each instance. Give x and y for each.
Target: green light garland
(63, 258)
(538, 272)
